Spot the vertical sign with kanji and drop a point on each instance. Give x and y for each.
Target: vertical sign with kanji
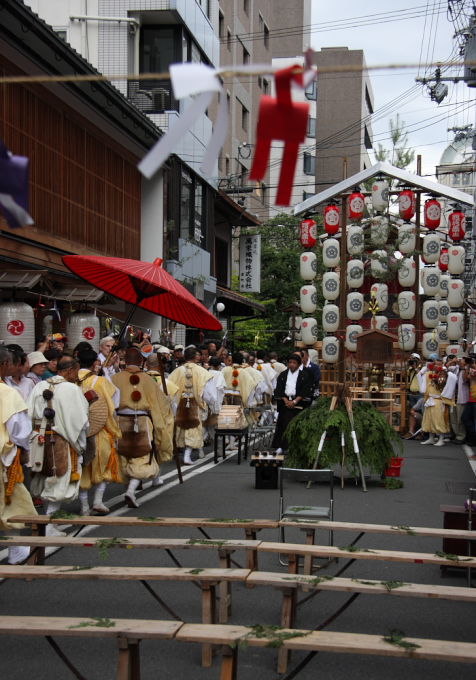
(250, 264)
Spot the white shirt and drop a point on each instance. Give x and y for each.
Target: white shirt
(291, 380)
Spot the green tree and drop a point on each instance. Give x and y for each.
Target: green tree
(399, 155)
(280, 283)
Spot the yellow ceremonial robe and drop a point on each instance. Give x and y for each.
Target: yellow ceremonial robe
(193, 437)
(106, 465)
(20, 501)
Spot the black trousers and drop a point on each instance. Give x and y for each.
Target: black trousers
(285, 416)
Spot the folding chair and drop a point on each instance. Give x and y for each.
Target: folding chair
(306, 511)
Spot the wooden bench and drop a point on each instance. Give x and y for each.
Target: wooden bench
(250, 526)
(207, 578)
(130, 632)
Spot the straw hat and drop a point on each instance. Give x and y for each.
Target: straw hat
(98, 413)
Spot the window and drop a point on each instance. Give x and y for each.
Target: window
(246, 56)
(62, 33)
(192, 208)
(309, 164)
(227, 165)
(245, 118)
(266, 36)
(311, 91)
(456, 178)
(311, 127)
(159, 47)
(228, 39)
(246, 6)
(467, 177)
(265, 86)
(306, 195)
(221, 25)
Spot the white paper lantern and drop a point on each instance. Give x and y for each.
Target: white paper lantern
(296, 323)
(381, 323)
(379, 291)
(456, 257)
(17, 325)
(429, 344)
(379, 230)
(330, 318)
(407, 272)
(444, 283)
(308, 265)
(442, 333)
(430, 280)
(355, 306)
(308, 299)
(406, 242)
(430, 314)
(455, 350)
(355, 273)
(379, 263)
(444, 309)
(331, 252)
(455, 325)
(355, 240)
(406, 304)
(351, 334)
(82, 327)
(431, 248)
(330, 285)
(309, 330)
(406, 336)
(330, 349)
(379, 195)
(456, 293)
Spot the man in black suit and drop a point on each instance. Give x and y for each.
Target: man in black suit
(294, 389)
(314, 368)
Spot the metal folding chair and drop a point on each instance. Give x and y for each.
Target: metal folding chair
(305, 511)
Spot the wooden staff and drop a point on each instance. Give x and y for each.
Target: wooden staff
(175, 453)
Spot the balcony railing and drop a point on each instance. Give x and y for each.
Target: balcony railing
(156, 99)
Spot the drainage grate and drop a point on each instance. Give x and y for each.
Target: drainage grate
(459, 488)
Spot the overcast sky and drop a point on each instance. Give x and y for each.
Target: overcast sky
(423, 38)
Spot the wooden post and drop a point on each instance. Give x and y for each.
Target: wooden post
(208, 616)
(417, 259)
(287, 621)
(175, 451)
(224, 588)
(342, 293)
(229, 664)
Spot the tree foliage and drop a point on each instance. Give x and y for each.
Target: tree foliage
(399, 155)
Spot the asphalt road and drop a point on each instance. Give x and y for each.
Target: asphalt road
(432, 476)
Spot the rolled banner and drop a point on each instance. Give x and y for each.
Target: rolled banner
(309, 330)
(429, 344)
(330, 318)
(330, 349)
(380, 292)
(355, 273)
(444, 309)
(330, 285)
(456, 257)
(381, 323)
(379, 263)
(351, 333)
(355, 306)
(407, 272)
(331, 252)
(308, 299)
(406, 304)
(456, 293)
(355, 240)
(431, 248)
(379, 230)
(406, 336)
(455, 325)
(430, 280)
(444, 283)
(14, 188)
(406, 242)
(430, 314)
(308, 265)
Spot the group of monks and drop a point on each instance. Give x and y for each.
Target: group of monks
(91, 423)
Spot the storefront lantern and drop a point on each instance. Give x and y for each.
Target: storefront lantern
(356, 206)
(457, 225)
(379, 195)
(332, 219)
(443, 260)
(308, 236)
(432, 213)
(17, 324)
(406, 204)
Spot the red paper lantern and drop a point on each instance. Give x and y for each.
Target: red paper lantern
(457, 228)
(308, 236)
(331, 219)
(407, 204)
(443, 260)
(356, 206)
(432, 213)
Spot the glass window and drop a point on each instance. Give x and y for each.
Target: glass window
(246, 56)
(309, 164)
(311, 91)
(245, 118)
(246, 6)
(228, 39)
(311, 127)
(157, 49)
(467, 176)
(221, 25)
(198, 218)
(185, 204)
(456, 178)
(266, 36)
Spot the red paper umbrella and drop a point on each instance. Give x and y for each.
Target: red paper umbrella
(144, 284)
